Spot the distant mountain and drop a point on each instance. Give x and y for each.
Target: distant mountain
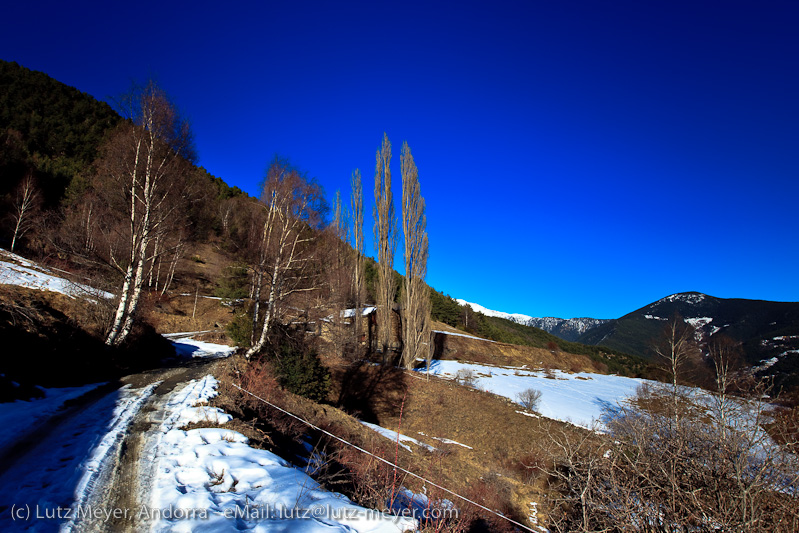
(515, 317)
(566, 329)
(768, 331)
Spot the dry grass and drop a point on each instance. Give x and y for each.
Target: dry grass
(498, 353)
(171, 314)
(500, 438)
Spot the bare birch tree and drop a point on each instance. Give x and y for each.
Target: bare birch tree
(725, 356)
(416, 297)
(385, 230)
(291, 208)
(23, 209)
(146, 163)
(674, 351)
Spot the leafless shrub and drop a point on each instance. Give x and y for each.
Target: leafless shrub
(466, 376)
(667, 466)
(529, 399)
(529, 467)
(494, 492)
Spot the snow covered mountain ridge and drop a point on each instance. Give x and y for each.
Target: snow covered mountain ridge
(566, 329)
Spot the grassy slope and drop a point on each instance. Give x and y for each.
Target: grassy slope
(615, 361)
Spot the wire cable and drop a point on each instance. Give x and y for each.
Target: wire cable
(355, 446)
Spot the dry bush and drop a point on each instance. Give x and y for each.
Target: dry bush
(367, 480)
(466, 377)
(667, 470)
(530, 399)
(493, 492)
(528, 467)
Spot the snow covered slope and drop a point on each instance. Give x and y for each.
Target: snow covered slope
(577, 398)
(16, 270)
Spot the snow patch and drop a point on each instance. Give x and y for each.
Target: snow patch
(394, 436)
(461, 335)
(201, 350)
(515, 317)
(446, 441)
(689, 297)
(222, 484)
(19, 416)
(16, 270)
(699, 322)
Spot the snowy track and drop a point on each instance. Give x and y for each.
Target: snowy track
(84, 459)
(64, 466)
(210, 479)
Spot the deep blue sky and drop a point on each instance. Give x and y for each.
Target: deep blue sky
(577, 158)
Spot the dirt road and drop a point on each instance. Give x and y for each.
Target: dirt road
(49, 467)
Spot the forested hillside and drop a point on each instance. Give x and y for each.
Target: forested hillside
(48, 129)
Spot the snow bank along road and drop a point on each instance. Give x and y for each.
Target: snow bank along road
(209, 479)
(119, 460)
(83, 456)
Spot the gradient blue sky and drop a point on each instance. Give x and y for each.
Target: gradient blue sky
(578, 158)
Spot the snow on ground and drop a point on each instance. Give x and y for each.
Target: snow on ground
(446, 441)
(19, 416)
(513, 317)
(349, 313)
(577, 398)
(185, 334)
(191, 348)
(16, 270)
(101, 459)
(366, 311)
(461, 335)
(691, 298)
(209, 479)
(393, 436)
(420, 505)
(765, 363)
(58, 471)
(200, 296)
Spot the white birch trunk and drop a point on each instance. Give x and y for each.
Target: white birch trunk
(119, 316)
(269, 313)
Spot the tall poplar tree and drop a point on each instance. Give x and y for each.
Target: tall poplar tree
(356, 205)
(385, 230)
(416, 299)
